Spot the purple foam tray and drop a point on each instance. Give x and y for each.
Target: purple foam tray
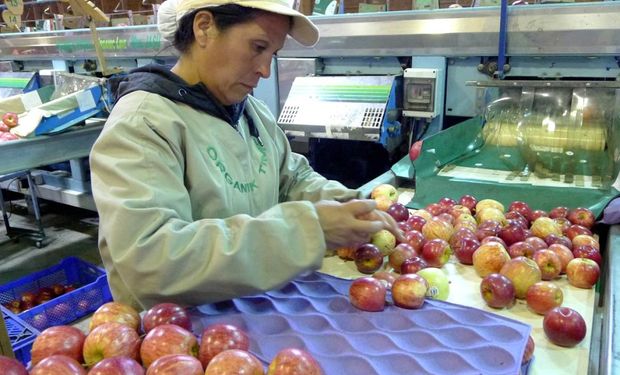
(313, 312)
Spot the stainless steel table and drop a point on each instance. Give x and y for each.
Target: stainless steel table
(19, 157)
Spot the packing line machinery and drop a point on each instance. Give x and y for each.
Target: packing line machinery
(376, 83)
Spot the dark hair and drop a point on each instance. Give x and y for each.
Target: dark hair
(225, 16)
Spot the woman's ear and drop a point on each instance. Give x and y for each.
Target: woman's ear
(204, 26)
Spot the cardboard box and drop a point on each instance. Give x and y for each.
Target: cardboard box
(395, 5)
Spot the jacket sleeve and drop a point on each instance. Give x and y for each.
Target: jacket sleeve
(155, 251)
(298, 181)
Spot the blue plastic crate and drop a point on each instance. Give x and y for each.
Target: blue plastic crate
(21, 334)
(91, 292)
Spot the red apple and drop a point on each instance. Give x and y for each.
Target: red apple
(497, 291)
(28, 297)
(235, 361)
(409, 290)
(584, 239)
(464, 249)
(174, 364)
(368, 258)
(563, 253)
(512, 233)
(292, 361)
(435, 209)
(60, 311)
(581, 216)
(219, 337)
(563, 223)
(398, 211)
(582, 272)
(386, 277)
(538, 214)
(347, 252)
(70, 288)
(413, 265)
(414, 151)
(516, 218)
(575, 230)
(460, 233)
(523, 272)
(521, 249)
(436, 252)
(401, 252)
(167, 339)
(4, 137)
(458, 210)
(466, 221)
(543, 296)
(115, 312)
(166, 313)
(58, 289)
(487, 229)
(468, 201)
(529, 350)
(10, 119)
(590, 252)
(38, 321)
(416, 222)
(562, 240)
(537, 244)
(558, 212)
(489, 258)
(437, 228)
(446, 217)
(45, 294)
(404, 226)
(549, 263)
(447, 202)
(13, 306)
(65, 340)
(368, 294)
(12, 366)
(522, 208)
(415, 239)
(564, 326)
(117, 366)
(58, 365)
(110, 340)
(4, 129)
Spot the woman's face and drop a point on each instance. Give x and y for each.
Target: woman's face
(231, 62)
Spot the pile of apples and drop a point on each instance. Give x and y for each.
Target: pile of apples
(114, 346)
(28, 300)
(9, 121)
(518, 253)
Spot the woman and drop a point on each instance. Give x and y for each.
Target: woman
(199, 195)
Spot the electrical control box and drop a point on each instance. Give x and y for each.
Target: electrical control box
(419, 93)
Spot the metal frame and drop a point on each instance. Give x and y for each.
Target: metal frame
(44, 150)
(581, 29)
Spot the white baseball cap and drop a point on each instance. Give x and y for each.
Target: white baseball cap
(171, 11)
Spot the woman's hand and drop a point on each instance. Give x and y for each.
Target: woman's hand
(353, 222)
